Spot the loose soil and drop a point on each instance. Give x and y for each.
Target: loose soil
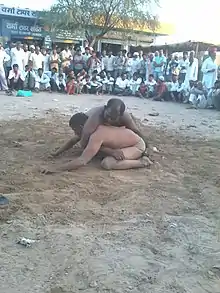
(108, 231)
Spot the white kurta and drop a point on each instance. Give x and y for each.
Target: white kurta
(192, 72)
(209, 78)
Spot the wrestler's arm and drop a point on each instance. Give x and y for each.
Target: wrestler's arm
(130, 124)
(68, 145)
(89, 128)
(89, 152)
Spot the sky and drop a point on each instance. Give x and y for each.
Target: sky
(192, 18)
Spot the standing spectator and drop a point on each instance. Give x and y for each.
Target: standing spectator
(118, 65)
(174, 65)
(150, 66)
(183, 66)
(54, 59)
(86, 55)
(37, 60)
(26, 54)
(78, 61)
(7, 64)
(167, 68)
(46, 60)
(93, 63)
(4, 57)
(159, 62)
(210, 69)
(192, 70)
(15, 79)
(135, 63)
(127, 65)
(17, 56)
(109, 63)
(66, 57)
(140, 55)
(32, 49)
(143, 66)
(42, 81)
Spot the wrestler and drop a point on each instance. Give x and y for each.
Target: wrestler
(112, 114)
(108, 138)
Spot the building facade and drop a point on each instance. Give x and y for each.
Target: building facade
(24, 25)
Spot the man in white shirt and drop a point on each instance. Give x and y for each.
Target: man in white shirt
(66, 57)
(210, 69)
(4, 57)
(122, 86)
(17, 56)
(42, 81)
(26, 54)
(46, 58)
(37, 59)
(192, 69)
(183, 66)
(15, 79)
(135, 63)
(108, 63)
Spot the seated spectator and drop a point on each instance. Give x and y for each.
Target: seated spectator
(61, 83)
(80, 76)
(134, 84)
(54, 79)
(29, 75)
(95, 84)
(122, 87)
(181, 91)
(142, 91)
(102, 76)
(187, 88)
(160, 90)
(215, 98)
(107, 84)
(42, 81)
(70, 83)
(173, 88)
(198, 96)
(86, 84)
(151, 85)
(15, 79)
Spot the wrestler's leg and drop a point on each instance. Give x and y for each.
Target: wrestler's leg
(132, 160)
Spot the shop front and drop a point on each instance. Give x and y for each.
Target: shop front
(62, 38)
(23, 30)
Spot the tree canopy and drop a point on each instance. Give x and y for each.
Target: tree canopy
(95, 18)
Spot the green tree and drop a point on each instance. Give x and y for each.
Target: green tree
(95, 18)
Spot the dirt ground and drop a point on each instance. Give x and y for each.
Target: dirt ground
(139, 231)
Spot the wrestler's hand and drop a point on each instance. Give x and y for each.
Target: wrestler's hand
(118, 155)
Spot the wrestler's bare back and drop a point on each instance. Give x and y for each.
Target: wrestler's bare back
(115, 137)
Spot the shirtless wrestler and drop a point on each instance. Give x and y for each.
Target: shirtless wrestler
(109, 138)
(112, 114)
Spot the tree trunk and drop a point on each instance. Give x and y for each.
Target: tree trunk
(91, 39)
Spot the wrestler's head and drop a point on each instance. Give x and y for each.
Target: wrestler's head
(113, 110)
(77, 122)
